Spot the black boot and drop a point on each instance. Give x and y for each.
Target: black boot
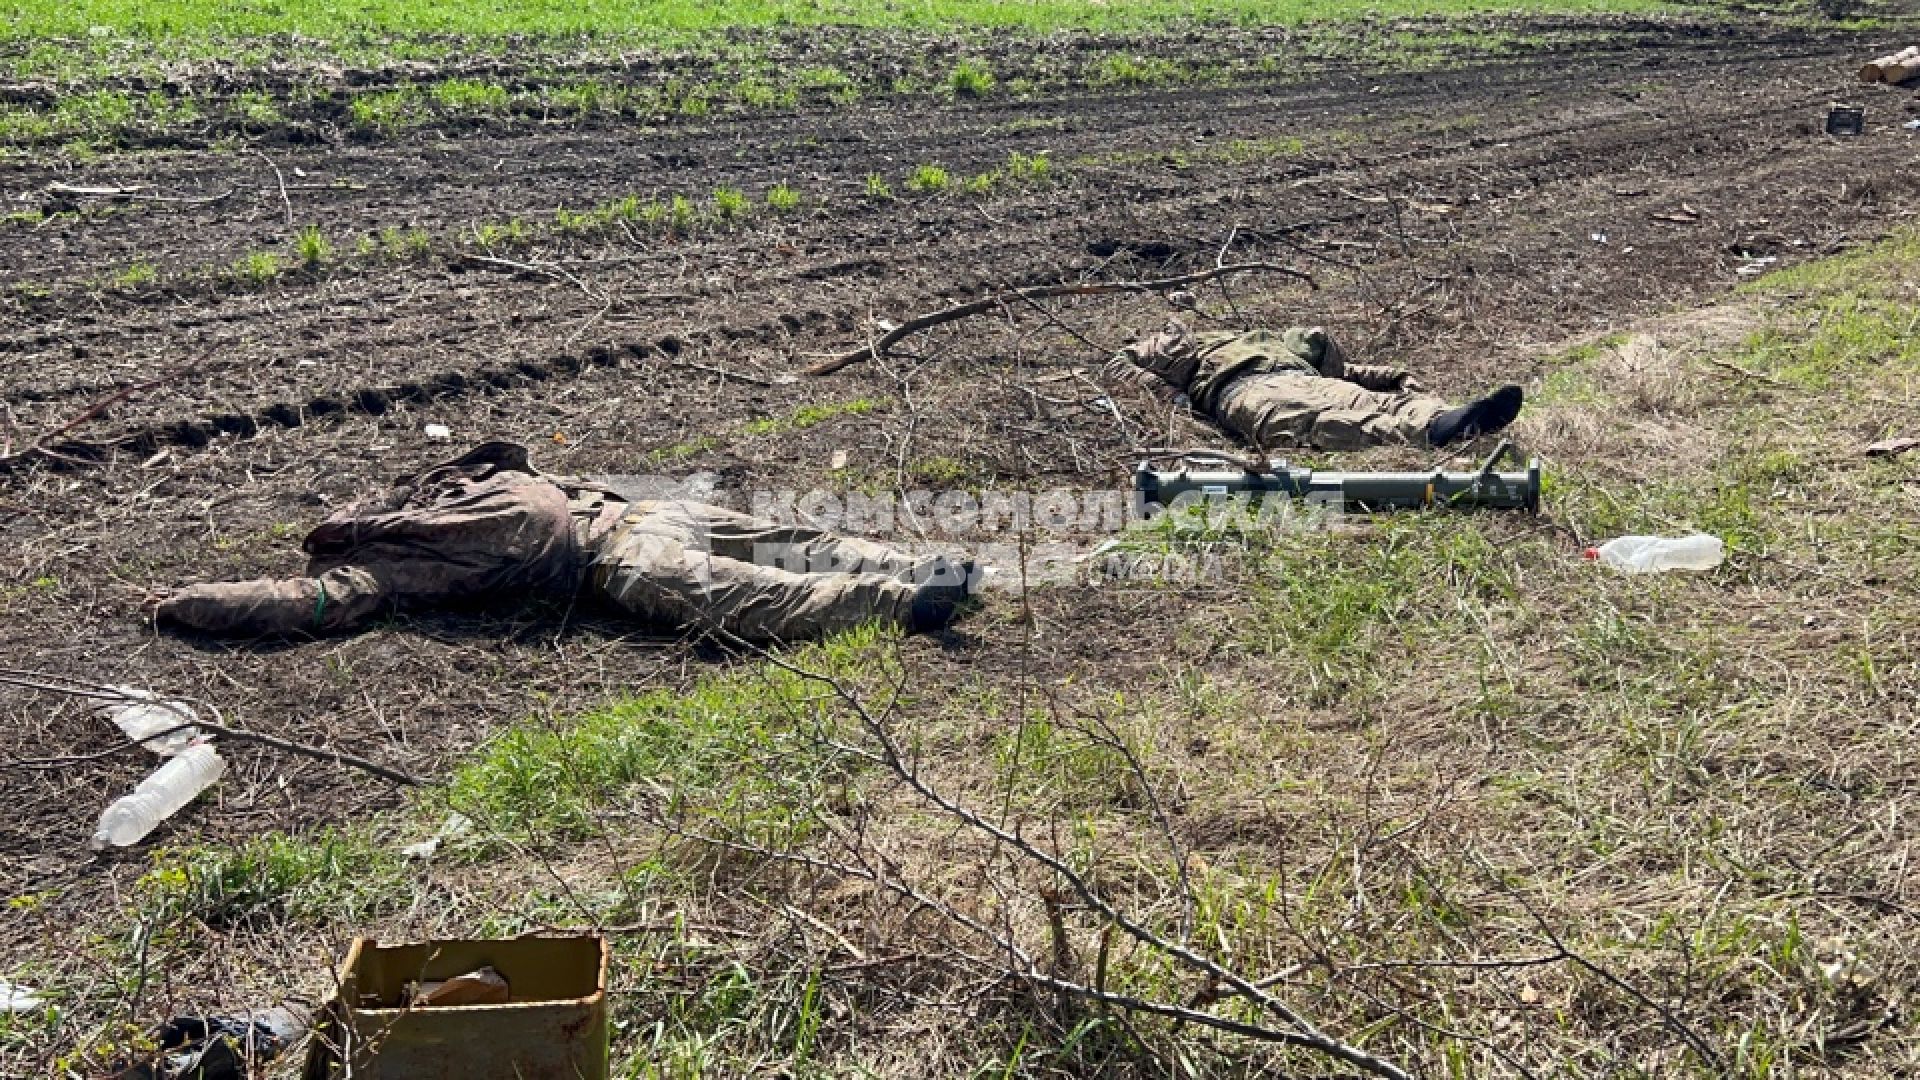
(1482, 417)
(944, 586)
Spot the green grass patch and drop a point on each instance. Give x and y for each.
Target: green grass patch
(312, 247)
(944, 472)
(705, 750)
(333, 874)
(396, 243)
(681, 451)
(469, 94)
(388, 111)
(513, 233)
(256, 268)
(970, 79)
(1122, 70)
(782, 199)
(160, 19)
(1350, 618)
(138, 275)
(95, 119)
(731, 206)
(1028, 168)
(827, 82)
(811, 415)
(928, 179)
(1859, 332)
(259, 108)
(1061, 769)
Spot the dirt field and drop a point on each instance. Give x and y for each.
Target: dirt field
(1468, 220)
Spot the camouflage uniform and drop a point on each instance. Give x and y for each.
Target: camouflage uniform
(1290, 388)
(488, 524)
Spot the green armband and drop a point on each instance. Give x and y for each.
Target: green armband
(320, 603)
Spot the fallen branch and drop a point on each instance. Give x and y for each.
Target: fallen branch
(1667, 1015)
(1021, 965)
(1761, 376)
(214, 727)
(996, 300)
(737, 376)
(508, 264)
(1299, 1031)
(337, 757)
(39, 448)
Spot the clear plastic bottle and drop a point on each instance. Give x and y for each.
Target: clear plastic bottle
(147, 715)
(159, 796)
(1652, 554)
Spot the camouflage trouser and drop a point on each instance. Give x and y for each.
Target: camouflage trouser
(1328, 414)
(711, 569)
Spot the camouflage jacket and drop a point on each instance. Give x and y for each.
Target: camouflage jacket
(1201, 365)
(484, 524)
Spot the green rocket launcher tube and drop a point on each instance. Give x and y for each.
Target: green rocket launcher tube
(1484, 487)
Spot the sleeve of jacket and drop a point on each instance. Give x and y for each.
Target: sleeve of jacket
(1161, 363)
(1125, 369)
(340, 599)
(1377, 377)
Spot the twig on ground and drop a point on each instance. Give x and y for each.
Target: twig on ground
(134, 194)
(338, 757)
(998, 299)
(39, 447)
(1100, 350)
(1301, 1033)
(723, 373)
(509, 264)
(1672, 1019)
(279, 178)
(217, 726)
(1761, 376)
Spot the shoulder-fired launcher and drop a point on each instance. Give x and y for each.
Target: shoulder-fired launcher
(1483, 487)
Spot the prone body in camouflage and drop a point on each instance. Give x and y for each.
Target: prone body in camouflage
(1292, 387)
(488, 524)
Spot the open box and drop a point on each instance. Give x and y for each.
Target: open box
(553, 1027)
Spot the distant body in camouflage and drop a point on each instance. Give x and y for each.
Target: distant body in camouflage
(489, 525)
(1295, 388)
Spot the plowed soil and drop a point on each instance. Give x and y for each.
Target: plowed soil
(1460, 221)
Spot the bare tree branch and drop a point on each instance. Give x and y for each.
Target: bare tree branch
(216, 726)
(996, 300)
(1304, 1034)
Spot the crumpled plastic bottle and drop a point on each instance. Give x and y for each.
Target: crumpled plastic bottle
(1652, 554)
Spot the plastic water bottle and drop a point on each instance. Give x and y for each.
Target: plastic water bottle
(1652, 554)
(159, 796)
(148, 715)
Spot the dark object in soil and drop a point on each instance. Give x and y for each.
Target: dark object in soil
(1846, 120)
(219, 1047)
